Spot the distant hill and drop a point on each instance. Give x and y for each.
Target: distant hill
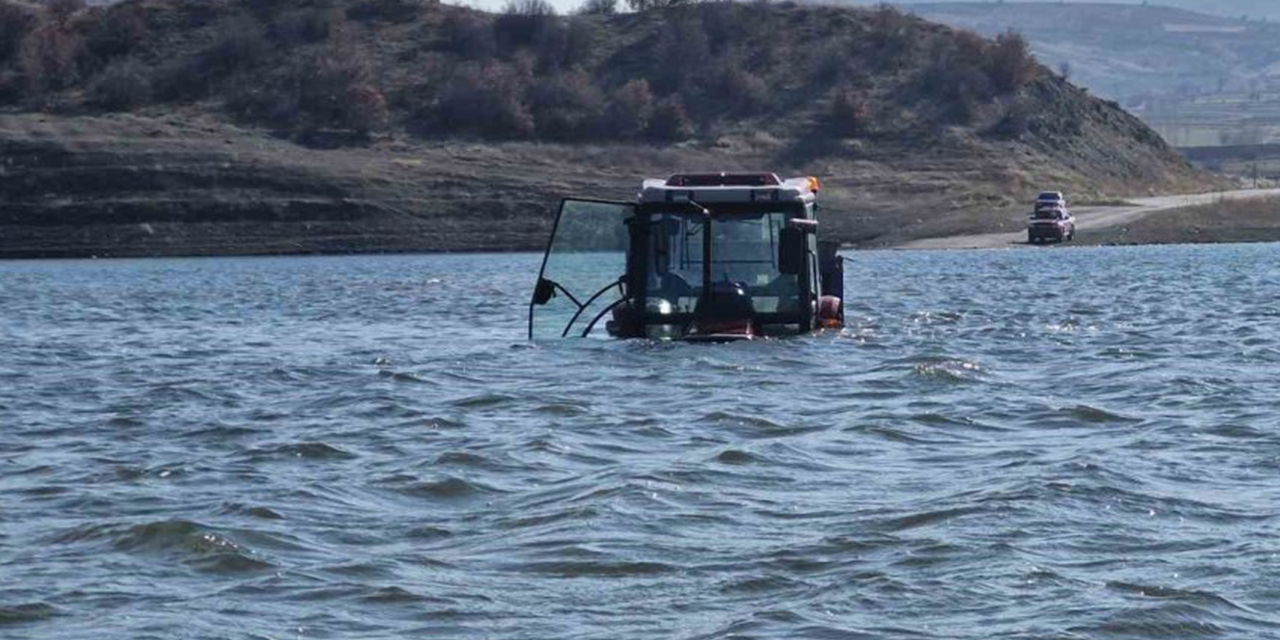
(1250, 9)
(169, 126)
(1198, 79)
(1122, 51)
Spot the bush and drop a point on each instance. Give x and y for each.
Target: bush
(121, 86)
(336, 89)
(488, 100)
(599, 8)
(386, 10)
(305, 26)
(60, 11)
(831, 61)
(1012, 66)
(956, 75)
(116, 31)
(682, 51)
(581, 39)
(11, 86)
(746, 92)
(728, 24)
(469, 35)
(850, 112)
(333, 89)
(238, 44)
(890, 36)
(630, 109)
(1015, 123)
(566, 43)
(567, 106)
(524, 23)
(16, 21)
(645, 5)
(670, 121)
(49, 57)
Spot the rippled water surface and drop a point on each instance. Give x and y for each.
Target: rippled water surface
(1011, 444)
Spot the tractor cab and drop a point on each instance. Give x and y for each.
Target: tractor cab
(699, 257)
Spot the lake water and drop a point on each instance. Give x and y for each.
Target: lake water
(1027, 443)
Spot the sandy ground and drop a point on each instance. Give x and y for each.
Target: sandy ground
(1092, 219)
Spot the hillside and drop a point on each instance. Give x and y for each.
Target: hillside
(164, 126)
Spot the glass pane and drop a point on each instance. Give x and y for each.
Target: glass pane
(587, 257)
(674, 281)
(745, 250)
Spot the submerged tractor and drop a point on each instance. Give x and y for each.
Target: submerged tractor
(700, 257)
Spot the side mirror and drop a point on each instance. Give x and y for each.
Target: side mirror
(544, 291)
(791, 250)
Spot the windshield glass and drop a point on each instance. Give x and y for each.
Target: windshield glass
(744, 250)
(674, 279)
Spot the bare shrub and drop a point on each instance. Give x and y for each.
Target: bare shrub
(116, 31)
(469, 35)
(955, 77)
(337, 89)
(238, 44)
(746, 92)
(16, 21)
(598, 8)
(890, 35)
(830, 61)
(630, 109)
(49, 57)
(11, 86)
(566, 43)
(485, 99)
(970, 47)
(850, 112)
(121, 86)
(1016, 122)
(304, 26)
(729, 24)
(670, 121)
(1012, 65)
(645, 5)
(523, 22)
(385, 10)
(333, 89)
(582, 37)
(567, 106)
(683, 50)
(61, 10)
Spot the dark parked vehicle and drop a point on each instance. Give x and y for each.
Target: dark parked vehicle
(1051, 221)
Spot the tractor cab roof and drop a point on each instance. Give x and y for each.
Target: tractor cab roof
(707, 188)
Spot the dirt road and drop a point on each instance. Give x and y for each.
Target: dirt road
(1091, 218)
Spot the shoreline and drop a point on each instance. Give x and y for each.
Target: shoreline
(1229, 217)
(1267, 237)
(1136, 223)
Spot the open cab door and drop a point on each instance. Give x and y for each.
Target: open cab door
(583, 276)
